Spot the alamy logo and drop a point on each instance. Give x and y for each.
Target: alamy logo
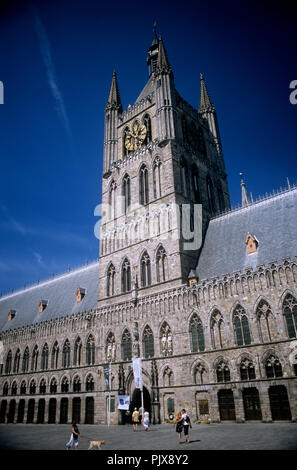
(1, 93)
(293, 94)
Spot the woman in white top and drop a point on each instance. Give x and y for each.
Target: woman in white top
(146, 420)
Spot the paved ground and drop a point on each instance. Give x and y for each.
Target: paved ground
(231, 436)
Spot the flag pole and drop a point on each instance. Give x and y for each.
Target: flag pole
(109, 385)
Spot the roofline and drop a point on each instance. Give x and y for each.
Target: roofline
(259, 200)
(50, 280)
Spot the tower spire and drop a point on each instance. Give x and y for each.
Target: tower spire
(205, 101)
(162, 61)
(245, 200)
(114, 99)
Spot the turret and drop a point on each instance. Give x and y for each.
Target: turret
(112, 110)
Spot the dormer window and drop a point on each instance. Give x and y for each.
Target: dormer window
(193, 279)
(80, 293)
(11, 314)
(42, 305)
(251, 244)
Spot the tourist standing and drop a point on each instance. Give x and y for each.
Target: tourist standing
(135, 419)
(186, 424)
(146, 420)
(179, 425)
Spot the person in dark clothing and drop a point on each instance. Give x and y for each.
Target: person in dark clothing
(73, 442)
(186, 424)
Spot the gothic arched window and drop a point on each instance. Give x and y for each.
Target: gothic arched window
(157, 178)
(44, 357)
(66, 354)
(34, 363)
(166, 340)
(161, 265)
(145, 270)
(273, 367)
(126, 344)
(217, 330)
(168, 377)
(143, 186)
(110, 289)
(90, 351)
(210, 195)
(110, 347)
(290, 313)
(53, 385)
(265, 322)
(16, 363)
(42, 386)
(148, 125)
(14, 388)
(199, 373)
(8, 362)
(77, 352)
(23, 388)
(32, 387)
(126, 193)
(55, 356)
(5, 389)
(125, 133)
(241, 326)
(148, 342)
(196, 333)
(184, 177)
(90, 383)
(65, 385)
(76, 384)
(26, 356)
(126, 276)
(223, 372)
(247, 370)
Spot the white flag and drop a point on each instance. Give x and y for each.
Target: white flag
(137, 372)
(123, 402)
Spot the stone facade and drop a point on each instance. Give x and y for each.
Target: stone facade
(222, 347)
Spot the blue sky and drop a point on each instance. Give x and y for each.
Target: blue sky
(56, 64)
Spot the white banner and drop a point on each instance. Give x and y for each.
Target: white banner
(137, 372)
(123, 402)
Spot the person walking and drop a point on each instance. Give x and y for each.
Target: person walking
(186, 424)
(135, 419)
(179, 425)
(73, 442)
(146, 420)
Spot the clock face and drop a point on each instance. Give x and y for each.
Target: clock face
(135, 137)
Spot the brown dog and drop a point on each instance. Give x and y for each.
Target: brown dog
(97, 444)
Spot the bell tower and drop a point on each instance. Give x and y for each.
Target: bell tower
(161, 157)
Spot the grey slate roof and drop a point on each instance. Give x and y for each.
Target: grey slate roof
(147, 90)
(60, 293)
(272, 221)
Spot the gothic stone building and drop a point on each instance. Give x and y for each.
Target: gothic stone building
(215, 322)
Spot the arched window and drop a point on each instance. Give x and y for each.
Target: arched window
(42, 386)
(157, 178)
(110, 347)
(145, 270)
(210, 195)
(112, 201)
(32, 387)
(14, 388)
(65, 385)
(161, 265)
(148, 342)
(66, 354)
(126, 193)
(26, 356)
(8, 362)
(16, 363)
(199, 373)
(168, 377)
(217, 330)
(125, 133)
(196, 333)
(5, 389)
(90, 351)
(143, 186)
(195, 184)
(265, 321)
(90, 383)
(148, 125)
(77, 352)
(55, 356)
(126, 276)
(110, 290)
(44, 357)
(247, 370)
(273, 367)
(290, 313)
(223, 372)
(76, 384)
(23, 388)
(34, 363)
(53, 385)
(166, 345)
(126, 346)
(241, 326)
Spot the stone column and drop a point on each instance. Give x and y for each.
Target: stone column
(265, 403)
(239, 408)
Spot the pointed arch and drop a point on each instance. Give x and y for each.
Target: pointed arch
(34, 363)
(210, 195)
(90, 350)
(157, 177)
(110, 278)
(110, 347)
(168, 377)
(126, 345)
(90, 383)
(77, 352)
(44, 357)
(16, 362)
(145, 270)
(148, 124)
(126, 275)
(166, 345)
(265, 321)
(76, 384)
(126, 193)
(26, 357)
(8, 362)
(143, 185)
(55, 355)
(289, 309)
(196, 334)
(148, 342)
(217, 330)
(195, 184)
(161, 264)
(241, 326)
(66, 354)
